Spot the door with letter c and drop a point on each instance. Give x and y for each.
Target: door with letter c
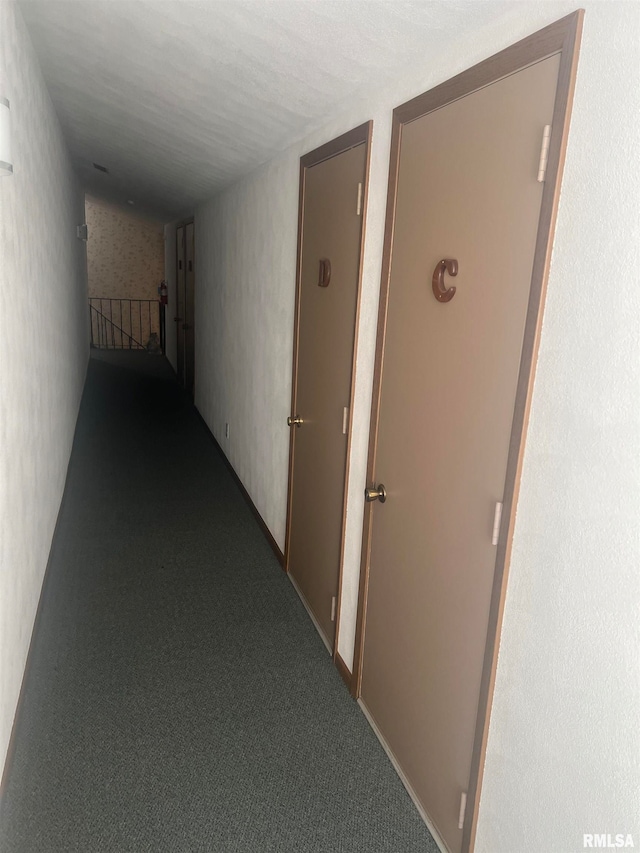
(457, 327)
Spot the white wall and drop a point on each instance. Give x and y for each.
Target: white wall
(245, 279)
(563, 752)
(43, 346)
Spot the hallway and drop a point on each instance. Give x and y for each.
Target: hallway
(178, 696)
(175, 695)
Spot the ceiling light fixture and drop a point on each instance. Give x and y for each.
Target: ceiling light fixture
(6, 162)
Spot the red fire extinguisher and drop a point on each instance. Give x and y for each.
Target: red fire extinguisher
(163, 292)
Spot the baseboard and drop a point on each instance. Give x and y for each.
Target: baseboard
(425, 817)
(245, 494)
(323, 636)
(343, 670)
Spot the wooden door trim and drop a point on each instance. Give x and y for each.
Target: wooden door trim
(191, 222)
(179, 227)
(182, 224)
(561, 37)
(357, 136)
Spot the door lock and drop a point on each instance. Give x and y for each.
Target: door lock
(295, 421)
(379, 494)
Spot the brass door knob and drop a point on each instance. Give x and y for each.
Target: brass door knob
(295, 421)
(375, 494)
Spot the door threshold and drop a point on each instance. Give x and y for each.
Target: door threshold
(416, 802)
(323, 636)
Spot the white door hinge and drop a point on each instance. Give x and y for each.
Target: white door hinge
(333, 609)
(345, 420)
(497, 518)
(463, 808)
(544, 153)
(359, 203)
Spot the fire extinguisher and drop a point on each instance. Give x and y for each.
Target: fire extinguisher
(163, 292)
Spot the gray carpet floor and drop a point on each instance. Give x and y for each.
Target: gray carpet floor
(179, 698)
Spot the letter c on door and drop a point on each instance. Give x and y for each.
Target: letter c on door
(442, 293)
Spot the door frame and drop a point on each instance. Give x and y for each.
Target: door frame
(187, 367)
(190, 220)
(561, 37)
(358, 136)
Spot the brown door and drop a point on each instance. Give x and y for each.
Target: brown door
(327, 304)
(180, 301)
(467, 191)
(185, 314)
(189, 308)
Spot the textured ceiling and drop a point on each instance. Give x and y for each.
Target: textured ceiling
(179, 98)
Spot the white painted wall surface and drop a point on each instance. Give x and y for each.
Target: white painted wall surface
(44, 346)
(245, 282)
(564, 749)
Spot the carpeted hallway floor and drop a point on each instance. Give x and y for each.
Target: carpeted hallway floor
(179, 698)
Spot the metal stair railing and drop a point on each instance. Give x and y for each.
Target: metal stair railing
(125, 323)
